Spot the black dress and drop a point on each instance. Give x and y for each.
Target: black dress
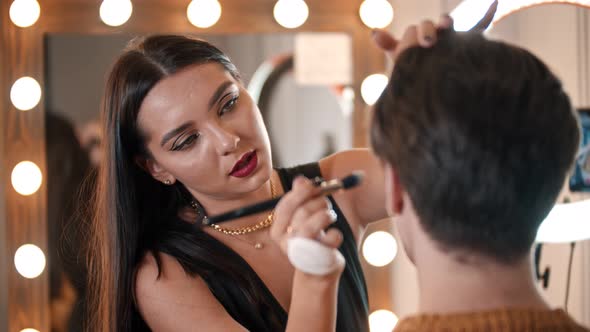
(269, 315)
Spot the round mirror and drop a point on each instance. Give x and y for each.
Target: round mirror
(305, 122)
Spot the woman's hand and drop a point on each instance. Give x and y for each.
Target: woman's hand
(424, 34)
(304, 214)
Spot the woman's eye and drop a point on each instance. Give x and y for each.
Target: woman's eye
(229, 105)
(186, 143)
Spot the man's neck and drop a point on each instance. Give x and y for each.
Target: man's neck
(448, 285)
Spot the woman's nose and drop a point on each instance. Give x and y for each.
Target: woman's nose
(226, 141)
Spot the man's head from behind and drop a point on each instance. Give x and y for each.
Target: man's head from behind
(478, 137)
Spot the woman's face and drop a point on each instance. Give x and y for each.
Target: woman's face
(203, 129)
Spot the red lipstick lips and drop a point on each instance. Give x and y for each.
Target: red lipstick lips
(246, 165)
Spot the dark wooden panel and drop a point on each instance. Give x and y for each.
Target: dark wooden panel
(170, 17)
(23, 139)
(4, 256)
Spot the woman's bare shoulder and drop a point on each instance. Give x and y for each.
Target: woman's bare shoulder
(169, 299)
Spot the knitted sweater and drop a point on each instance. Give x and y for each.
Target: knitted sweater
(505, 320)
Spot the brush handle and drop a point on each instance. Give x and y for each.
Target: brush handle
(244, 211)
(259, 207)
(328, 187)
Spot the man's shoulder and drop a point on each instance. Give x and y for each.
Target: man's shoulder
(505, 320)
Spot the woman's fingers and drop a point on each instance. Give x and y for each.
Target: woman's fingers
(304, 213)
(426, 33)
(409, 39)
(302, 191)
(384, 40)
(314, 225)
(332, 238)
(445, 22)
(308, 209)
(423, 34)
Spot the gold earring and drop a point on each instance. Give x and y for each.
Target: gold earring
(167, 182)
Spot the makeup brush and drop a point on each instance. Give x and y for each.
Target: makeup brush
(327, 188)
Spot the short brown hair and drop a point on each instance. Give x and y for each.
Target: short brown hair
(482, 136)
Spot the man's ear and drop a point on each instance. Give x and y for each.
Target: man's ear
(153, 168)
(394, 191)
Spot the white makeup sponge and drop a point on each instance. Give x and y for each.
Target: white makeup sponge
(312, 257)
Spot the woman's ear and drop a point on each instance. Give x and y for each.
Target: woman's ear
(153, 168)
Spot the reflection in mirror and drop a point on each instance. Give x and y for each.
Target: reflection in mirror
(290, 109)
(67, 166)
(76, 66)
(312, 121)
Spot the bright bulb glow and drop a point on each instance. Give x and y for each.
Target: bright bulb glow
(379, 248)
(26, 178)
(376, 13)
(346, 101)
(25, 93)
(203, 13)
(29, 330)
(382, 321)
(372, 87)
(348, 94)
(566, 223)
(291, 13)
(469, 12)
(29, 261)
(24, 13)
(115, 12)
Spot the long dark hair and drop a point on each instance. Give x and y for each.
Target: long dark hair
(136, 214)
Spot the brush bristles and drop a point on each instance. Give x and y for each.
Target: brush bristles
(353, 180)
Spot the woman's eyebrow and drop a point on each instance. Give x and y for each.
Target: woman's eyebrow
(219, 92)
(175, 132)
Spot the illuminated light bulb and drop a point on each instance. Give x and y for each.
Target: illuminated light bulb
(376, 13)
(29, 330)
(348, 93)
(372, 87)
(382, 321)
(203, 13)
(291, 13)
(24, 13)
(29, 261)
(115, 12)
(25, 93)
(379, 248)
(468, 13)
(566, 223)
(26, 178)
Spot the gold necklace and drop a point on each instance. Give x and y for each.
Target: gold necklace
(266, 222)
(256, 245)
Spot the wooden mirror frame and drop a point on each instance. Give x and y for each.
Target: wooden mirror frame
(22, 134)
